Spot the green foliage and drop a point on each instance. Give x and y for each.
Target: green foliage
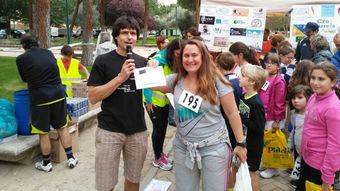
(186, 21)
(12, 9)
(187, 4)
(59, 11)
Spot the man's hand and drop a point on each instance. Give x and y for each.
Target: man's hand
(127, 70)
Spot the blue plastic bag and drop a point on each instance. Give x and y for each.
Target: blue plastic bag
(8, 122)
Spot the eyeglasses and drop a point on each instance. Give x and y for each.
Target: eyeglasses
(290, 58)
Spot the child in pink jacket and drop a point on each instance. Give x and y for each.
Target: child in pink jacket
(273, 97)
(320, 146)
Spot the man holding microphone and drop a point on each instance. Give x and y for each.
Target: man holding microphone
(121, 123)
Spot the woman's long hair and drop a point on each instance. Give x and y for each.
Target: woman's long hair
(301, 75)
(206, 75)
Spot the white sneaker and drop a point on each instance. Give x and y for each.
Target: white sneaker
(39, 165)
(269, 173)
(72, 162)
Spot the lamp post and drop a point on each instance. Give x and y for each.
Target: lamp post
(67, 24)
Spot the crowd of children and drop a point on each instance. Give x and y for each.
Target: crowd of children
(280, 94)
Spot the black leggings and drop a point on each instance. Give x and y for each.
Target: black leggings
(308, 173)
(159, 118)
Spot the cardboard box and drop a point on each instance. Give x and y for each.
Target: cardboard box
(79, 88)
(57, 150)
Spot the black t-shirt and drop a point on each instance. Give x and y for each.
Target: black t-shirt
(38, 67)
(253, 118)
(123, 110)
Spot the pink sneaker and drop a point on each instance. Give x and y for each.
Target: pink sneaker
(162, 163)
(167, 158)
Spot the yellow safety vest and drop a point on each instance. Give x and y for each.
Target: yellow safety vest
(70, 76)
(158, 98)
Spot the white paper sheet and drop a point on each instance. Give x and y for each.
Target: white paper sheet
(171, 99)
(148, 77)
(157, 185)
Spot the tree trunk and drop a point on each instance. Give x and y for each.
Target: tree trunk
(41, 22)
(30, 16)
(146, 16)
(101, 9)
(197, 12)
(75, 14)
(8, 25)
(87, 46)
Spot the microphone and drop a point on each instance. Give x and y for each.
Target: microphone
(129, 51)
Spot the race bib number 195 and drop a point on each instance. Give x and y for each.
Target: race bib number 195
(190, 101)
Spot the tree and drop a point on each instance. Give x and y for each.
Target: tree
(146, 16)
(75, 13)
(185, 21)
(116, 8)
(193, 6)
(187, 4)
(87, 47)
(12, 10)
(40, 21)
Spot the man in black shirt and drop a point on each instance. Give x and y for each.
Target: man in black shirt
(39, 69)
(121, 123)
(303, 49)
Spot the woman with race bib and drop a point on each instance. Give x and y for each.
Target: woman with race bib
(202, 148)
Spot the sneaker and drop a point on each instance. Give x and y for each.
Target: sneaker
(167, 158)
(72, 162)
(293, 183)
(39, 165)
(269, 173)
(162, 163)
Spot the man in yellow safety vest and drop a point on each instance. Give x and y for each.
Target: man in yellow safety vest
(69, 68)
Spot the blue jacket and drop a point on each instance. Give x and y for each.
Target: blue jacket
(322, 55)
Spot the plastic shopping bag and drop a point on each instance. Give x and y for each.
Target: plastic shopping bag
(310, 186)
(275, 151)
(243, 181)
(8, 122)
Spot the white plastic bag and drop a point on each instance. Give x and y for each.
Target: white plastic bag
(243, 181)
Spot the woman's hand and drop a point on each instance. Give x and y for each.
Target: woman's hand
(326, 187)
(152, 63)
(149, 107)
(241, 153)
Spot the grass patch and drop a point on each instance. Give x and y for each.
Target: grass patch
(58, 41)
(151, 40)
(10, 80)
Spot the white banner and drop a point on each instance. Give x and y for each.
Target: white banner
(327, 16)
(223, 25)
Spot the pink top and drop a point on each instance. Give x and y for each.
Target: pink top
(274, 98)
(320, 146)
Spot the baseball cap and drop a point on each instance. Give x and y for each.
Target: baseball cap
(311, 26)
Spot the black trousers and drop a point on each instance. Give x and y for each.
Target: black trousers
(308, 173)
(159, 118)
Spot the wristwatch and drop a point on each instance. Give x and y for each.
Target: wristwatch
(242, 143)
